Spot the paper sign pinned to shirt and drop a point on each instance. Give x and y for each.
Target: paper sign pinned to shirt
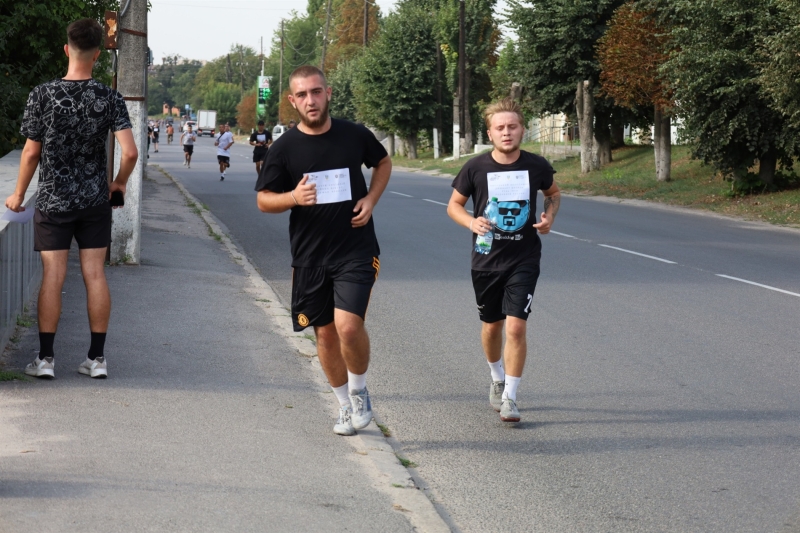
(332, 185)
(22, 217)
(509, 186)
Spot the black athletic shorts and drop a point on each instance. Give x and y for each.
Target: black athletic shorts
(90, 227)
(259, 155)
(188, 148)
(316, 291)
(224, 159)
(505, 293)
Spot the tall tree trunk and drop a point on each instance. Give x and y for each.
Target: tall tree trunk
(584, 107)
(469, 140)
(602, 139)
(766, 167)
(662, 144)
(411, 143)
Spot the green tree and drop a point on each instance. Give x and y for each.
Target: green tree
(715, 74)
(556, 47)
(396, 78)
(223, 98)
(342, 80)
(32, 37)
(780, 62)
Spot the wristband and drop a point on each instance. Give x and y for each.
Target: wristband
(293, 198)
(470, 225)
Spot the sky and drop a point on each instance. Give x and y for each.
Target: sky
(206, 29)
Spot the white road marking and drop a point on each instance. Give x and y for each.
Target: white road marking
(759, 285)
(562, 234)
(637, 253)
(401, 194)
(433, 202)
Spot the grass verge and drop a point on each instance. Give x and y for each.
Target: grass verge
(632, 176)
(11, 375)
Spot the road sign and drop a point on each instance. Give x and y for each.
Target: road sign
(264, 92)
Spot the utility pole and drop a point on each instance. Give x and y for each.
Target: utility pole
(366, 22)
(262, 55)
(325, 38)
(462, 73)
(280, 79)
(126, 232)
(437, 131)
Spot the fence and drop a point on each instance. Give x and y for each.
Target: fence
(20, 268)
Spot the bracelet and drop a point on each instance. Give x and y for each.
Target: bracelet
(293, 198)
(470, 225)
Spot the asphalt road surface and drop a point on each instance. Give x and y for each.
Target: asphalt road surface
(661, 392)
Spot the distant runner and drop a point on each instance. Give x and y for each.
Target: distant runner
(170, 133)
(314, 170)
(156, 131)
(261, 139)
(505, 279)
(187, 139)
(223, 143)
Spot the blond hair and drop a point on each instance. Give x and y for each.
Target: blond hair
(506, 105)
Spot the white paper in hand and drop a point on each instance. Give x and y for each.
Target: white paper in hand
(21, 217)
(332, 185)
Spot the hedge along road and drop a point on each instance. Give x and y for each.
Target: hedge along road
(659, 395)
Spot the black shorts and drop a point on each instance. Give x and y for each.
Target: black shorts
(224, 159)
(188, 148)
(316, 291)
(90, 227)
(155, 138)
(259, 156)
(505, 293)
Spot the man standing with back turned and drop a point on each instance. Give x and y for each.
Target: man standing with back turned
(66, 123)
(315, 170)
(505, 279)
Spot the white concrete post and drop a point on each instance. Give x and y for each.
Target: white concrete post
(126, 233)
(435, 143)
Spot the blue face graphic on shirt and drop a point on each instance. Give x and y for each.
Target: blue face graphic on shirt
(513, 215)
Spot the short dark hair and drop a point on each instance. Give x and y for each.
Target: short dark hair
(85, 35)
(260, 122)
(306, 71)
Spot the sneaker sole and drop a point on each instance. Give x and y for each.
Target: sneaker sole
(47, 374)
(361, 424)
(96, 374)
(507, 419)
(344, 433)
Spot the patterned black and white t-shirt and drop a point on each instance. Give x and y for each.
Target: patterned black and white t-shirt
(72, 120)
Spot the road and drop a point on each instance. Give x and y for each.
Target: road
(659, 395)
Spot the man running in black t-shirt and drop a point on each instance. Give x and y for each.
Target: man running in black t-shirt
(261, 140)
(67, 139)
(505, 279)
(315, 170)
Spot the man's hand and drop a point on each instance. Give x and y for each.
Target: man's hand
(305, 193)
(115, 186)
(544, 225)
(364, 209)
(14, 202)
(481, 226)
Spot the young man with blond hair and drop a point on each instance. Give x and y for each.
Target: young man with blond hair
(314, 170)
(504, 280)
(66, 122)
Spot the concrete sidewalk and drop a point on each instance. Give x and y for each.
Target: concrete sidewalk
(211, 420)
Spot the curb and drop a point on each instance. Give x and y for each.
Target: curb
(375, 453)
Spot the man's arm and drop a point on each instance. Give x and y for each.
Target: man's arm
(31, 154)
(128, 157)
(278, 202)
(552, 201)
(457, 211)
(380, 179)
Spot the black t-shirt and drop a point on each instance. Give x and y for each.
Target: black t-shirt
(322, 234)
(72, 120)
(516, 241)
(266, 136)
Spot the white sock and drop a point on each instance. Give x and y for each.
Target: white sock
(356, 381)
(510, 392)
(342, 395)
(498, 374)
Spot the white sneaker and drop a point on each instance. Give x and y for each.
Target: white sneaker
(41, 368)
(344, 426)
(184, 162)
(362, 408)
(94, 368)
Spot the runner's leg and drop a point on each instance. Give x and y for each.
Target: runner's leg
(329, 351)
(98, 297)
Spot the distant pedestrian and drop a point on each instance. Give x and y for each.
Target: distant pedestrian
(187, 139)
(261, 139)
(314, 170)
(170, 133)
(149, 137)
(292, 124)
(504, 280)
(223, 143)
(67, 139)
(156, 132)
